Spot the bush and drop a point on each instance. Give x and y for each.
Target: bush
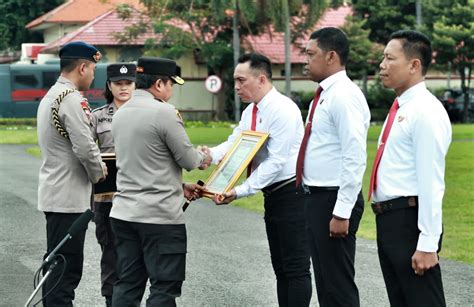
(379, 97)
(18, 122)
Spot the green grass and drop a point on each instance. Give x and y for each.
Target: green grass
(458, 213)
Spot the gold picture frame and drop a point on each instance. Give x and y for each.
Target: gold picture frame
(234, 163)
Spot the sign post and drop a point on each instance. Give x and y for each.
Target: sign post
(213, 84)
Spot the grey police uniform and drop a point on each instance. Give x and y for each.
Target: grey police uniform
(69, 167)
(152, 148)
(102, 127)
(102, 131)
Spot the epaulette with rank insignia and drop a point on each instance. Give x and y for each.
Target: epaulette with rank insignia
(99, 108)
(178, 115)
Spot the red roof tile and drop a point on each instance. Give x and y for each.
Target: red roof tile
(273, 46)
(79, 11)
(100, 32)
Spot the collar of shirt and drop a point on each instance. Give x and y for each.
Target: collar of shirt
(112, 108)
(408, 95)
(262, 104)
(142, 93)
(326, 83)
(66, 81)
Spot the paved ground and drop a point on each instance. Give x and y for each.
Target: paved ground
(228, 261)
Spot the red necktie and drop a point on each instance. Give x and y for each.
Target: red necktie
(378, 156)
(253, 126)
(304, 143)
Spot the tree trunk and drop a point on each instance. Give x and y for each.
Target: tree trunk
(236, 45)
(286, 16)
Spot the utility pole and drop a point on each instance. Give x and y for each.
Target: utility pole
(236, 43)
(419, 19)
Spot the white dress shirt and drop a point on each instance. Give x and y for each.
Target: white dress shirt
(413, 161)
(336, 153)
(279, 116)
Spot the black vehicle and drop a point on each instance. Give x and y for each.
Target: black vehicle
(22, 86)
(453, 101)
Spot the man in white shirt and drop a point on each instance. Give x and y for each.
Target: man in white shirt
(407, 182)
(274, 174)
(330, 167)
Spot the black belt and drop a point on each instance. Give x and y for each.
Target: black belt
(395, 204)
(274, 187)
(314, 189)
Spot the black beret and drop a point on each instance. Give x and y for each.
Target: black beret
(121, 71)
(160, 67)
(80, 50)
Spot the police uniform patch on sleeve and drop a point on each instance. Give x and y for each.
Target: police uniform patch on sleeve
(178, 115)
(87, 110)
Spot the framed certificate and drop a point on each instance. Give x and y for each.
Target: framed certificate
(108, 185)
(234, 163)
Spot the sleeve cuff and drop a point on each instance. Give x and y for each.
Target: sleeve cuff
(343, 210)
(427, 243)
(242, 191)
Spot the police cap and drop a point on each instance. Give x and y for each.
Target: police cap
(121, 71)
(80, 50)
(160, 67)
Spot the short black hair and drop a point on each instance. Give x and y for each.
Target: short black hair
(68, 65)
(145, 81)
(257, 62)
(333, 39)
(415, 45)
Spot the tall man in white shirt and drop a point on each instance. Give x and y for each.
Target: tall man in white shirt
(407, 182)
(274, 174)
(330, 167)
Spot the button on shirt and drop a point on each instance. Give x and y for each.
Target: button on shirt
(413, 161)
(279, 116)
(336, 152)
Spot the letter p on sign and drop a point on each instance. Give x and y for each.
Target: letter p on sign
(213, 84)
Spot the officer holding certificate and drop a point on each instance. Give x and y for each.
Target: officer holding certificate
(273, 172)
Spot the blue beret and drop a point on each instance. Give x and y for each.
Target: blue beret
(80, 50)
(160, 67)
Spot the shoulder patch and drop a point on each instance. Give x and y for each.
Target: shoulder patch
(86, 108)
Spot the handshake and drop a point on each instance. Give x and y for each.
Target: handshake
(206, 152)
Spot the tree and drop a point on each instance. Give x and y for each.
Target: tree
(307, 12)
(16, 14)
(386, 16)
(453, 38)
(364, 55)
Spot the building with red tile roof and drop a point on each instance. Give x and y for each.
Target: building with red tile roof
(73, 14)
(273, 45)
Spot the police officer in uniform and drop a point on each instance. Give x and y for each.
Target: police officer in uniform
(71, 162)
(152, 148)
(118, 90)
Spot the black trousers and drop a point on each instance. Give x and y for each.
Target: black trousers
(105, 238)
(157, 252)
(333, 258)
(57, 225)
(397, 237)
(286, 233)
